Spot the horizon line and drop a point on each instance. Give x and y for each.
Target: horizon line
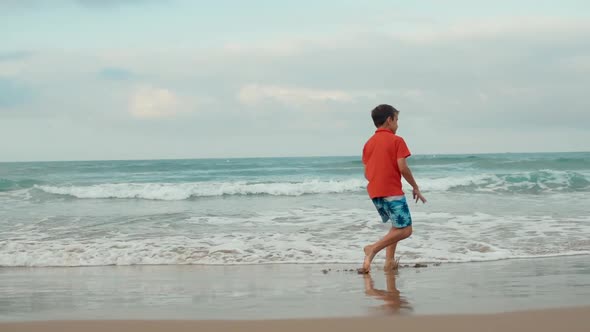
(277, 157)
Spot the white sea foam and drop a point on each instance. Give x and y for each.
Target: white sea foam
(450, 182)
(314, 235)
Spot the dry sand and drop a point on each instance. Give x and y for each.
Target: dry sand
(570, 319)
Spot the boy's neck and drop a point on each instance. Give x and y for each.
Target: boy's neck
(386, 128)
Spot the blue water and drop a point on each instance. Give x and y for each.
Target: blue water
(287, 210)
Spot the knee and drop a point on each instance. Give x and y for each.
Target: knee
(408, 231)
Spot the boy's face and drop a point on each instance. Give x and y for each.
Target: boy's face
(392, 122)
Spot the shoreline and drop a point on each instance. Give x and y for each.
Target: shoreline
(377, 262)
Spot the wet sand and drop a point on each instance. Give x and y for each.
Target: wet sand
(287, 292)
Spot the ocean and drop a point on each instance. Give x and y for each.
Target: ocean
(481, 207)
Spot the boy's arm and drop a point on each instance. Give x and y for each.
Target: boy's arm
(407, 174)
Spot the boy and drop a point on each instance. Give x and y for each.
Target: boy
(384, 157)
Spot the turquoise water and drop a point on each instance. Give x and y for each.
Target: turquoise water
(287, 210)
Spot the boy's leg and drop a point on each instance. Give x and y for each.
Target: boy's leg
(393, 236)
(390, 263)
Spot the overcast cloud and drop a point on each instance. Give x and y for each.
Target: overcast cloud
(181, 79)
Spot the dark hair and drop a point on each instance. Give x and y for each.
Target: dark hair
(381, 113)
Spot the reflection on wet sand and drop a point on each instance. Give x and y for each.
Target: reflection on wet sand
(394, 302)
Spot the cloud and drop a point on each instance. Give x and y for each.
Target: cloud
(287, 48)
(115, 3)
(579, 63)
(116, 74)
(253, 94)
(15, 55)
(33, 4)
(13, 93)
(534, 27)
(495, 79)
(151, 102)
(8, 4)
(489, 73)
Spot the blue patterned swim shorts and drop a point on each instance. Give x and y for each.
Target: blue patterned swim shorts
(395, 209)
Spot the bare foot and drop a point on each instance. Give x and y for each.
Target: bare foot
(391, 265)
(369, 255)
(388, 266)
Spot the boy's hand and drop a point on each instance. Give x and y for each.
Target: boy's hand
(417, 195)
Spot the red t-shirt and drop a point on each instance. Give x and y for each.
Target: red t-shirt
(380, 155)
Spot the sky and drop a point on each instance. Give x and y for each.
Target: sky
(133, 79)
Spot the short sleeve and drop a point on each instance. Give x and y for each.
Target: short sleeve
(402, 150)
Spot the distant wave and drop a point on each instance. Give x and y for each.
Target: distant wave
(524, 162)
(181, 191)
(536, 182)
(8, 185)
